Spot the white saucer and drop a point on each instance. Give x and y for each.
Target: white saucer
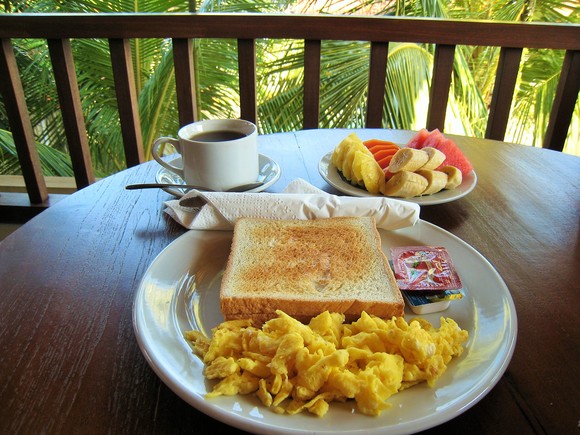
(269, 173)
(330, 174)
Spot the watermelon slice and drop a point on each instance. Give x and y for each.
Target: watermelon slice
(454, 156)
(418, 139)
(435, 139)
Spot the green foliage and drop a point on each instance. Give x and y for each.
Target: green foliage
(53, 161)
(344, 77)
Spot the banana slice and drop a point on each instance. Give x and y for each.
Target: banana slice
(436, 179)
(405, 184)
(454, 176)
(408, 159)
(436, 157)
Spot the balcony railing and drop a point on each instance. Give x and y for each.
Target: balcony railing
(120, 29)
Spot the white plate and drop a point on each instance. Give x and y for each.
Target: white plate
(180, 291)
(269, 173)
(332, 177)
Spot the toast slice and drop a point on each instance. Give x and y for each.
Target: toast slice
(305, 267)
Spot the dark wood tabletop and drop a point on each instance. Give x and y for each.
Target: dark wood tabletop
(69, 358)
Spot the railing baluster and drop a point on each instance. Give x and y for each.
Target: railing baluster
(377, 79)
(440, 85)
(19, 120)
(564, 102)
(503, 92)
(127, 100)
(247, 77)
(72, 116)
(185, 30)
(185, 80)
(311, 109)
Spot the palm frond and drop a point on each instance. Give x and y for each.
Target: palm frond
(53, 162)
(344, 77)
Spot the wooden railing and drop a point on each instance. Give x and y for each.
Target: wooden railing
(119, 29)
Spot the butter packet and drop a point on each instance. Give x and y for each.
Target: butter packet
(426, 302)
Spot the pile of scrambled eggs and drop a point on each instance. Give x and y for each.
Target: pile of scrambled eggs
(294, 367)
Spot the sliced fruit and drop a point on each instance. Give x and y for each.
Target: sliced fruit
(436, 180)
(388, 174)
(405, 184)
(432, 139)
(417, 140)
(374, 142)
(371, 173)
(408, 159)
(346, 167)
(341, 149)
(436, 158)
(338, 153)
(454, 156)
(454, 176)
(378, 148)
(384, 153)
(354, 146)
(357, 169)
(384, 162)
(436, 139)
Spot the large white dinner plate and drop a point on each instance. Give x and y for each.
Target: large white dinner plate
(269, 173)
(329, 172)
(180, 291)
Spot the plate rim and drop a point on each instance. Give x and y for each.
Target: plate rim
(325, 166)
(488, 381)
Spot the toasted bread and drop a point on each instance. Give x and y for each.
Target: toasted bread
(305, 267)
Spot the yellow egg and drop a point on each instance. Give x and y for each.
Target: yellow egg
(293, 367)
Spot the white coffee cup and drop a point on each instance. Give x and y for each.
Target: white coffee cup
(216, 154)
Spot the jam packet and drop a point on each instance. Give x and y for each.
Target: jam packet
(424, 268)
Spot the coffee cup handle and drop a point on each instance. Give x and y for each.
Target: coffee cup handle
(155, 153)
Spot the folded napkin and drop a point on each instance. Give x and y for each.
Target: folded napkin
(300, 200)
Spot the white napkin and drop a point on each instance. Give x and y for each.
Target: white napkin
(300, 200)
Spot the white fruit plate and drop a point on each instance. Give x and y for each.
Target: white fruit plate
(331, 175)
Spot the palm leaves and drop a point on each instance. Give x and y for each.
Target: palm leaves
(344, 78)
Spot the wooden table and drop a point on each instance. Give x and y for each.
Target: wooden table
(70, 363)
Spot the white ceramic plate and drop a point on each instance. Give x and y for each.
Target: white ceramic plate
(332, 177)
(180, 291)
(269, 173)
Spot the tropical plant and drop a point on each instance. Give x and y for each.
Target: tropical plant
(153, 76)
(344, 74)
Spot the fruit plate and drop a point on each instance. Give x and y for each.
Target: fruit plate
(331, 175)
(180, 291)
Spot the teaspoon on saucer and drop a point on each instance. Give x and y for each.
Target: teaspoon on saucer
(241, 188)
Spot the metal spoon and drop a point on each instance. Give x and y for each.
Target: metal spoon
(241, 188)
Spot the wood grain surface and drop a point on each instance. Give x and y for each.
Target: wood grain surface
(69, 360)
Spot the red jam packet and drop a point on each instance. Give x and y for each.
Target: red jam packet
(424, 268)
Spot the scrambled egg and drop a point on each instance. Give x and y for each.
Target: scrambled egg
(294, 367)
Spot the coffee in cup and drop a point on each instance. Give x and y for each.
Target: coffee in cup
(216, 154)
